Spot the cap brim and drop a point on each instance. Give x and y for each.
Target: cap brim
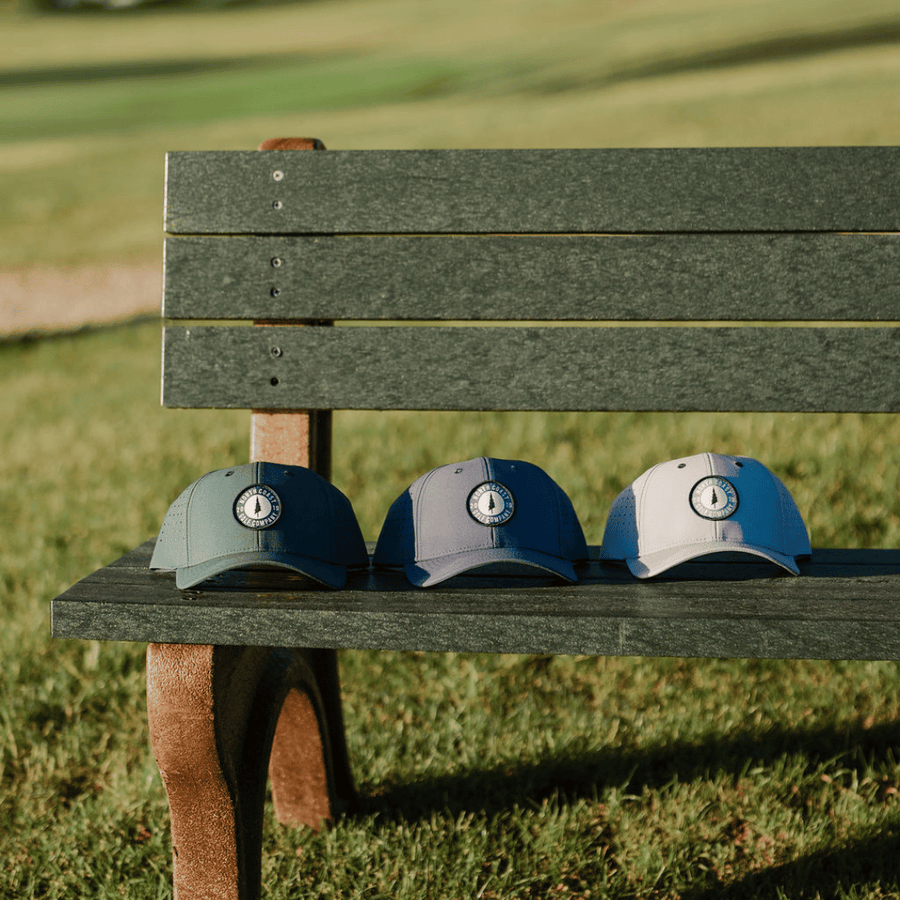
(651, 564)
(426, 573)
(325, 573)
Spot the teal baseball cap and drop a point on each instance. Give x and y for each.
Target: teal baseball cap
(468, 515)
(260, 513)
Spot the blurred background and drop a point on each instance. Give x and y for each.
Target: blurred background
(93, 92)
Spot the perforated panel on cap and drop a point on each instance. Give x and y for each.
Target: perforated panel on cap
(171, 543)
(795, 535)
(620, 538)
(397, 541)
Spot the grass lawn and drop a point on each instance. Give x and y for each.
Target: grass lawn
(481, 776)
(510, 776)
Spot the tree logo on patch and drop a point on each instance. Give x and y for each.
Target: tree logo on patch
(714, 498)
(257, 507)
(491, 503)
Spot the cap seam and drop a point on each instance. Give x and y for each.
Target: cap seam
(559, 520)
(258, 479)
(487, 466)
(327, 498)
(710, 471)
(779, 492)
(639, 508)
(187, 518)
(415, 513)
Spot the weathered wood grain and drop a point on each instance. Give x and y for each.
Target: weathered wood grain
(535, 277)
(571, 368)
(842, 607)
(516, 191)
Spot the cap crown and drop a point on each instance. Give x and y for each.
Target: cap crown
(470, 514)
(260, 513)
(708, 503)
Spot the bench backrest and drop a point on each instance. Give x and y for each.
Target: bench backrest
(585, 273)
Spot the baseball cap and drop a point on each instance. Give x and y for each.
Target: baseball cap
(686, 508)
(260, 513)
(467, 515)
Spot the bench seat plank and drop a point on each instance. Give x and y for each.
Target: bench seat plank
(569, 368)
(535, 277)
(515, 191)
(843, 607)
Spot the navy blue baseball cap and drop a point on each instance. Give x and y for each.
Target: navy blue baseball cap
(256, 514)
(468, 515)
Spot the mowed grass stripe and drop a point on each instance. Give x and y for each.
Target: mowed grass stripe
(110, 105)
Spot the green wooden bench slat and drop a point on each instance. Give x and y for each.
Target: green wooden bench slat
(611, 190)
(589, 277)
(567, 368)
(819, 615)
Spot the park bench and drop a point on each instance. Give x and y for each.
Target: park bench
(781, 253)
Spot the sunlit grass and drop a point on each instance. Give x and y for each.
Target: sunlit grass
(266, 86)
(480, 776)
(509, 776)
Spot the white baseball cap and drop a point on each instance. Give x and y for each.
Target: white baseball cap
(709, 503)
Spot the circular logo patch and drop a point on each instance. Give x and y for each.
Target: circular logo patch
(714, 498)
(491, 503)
(257, 507)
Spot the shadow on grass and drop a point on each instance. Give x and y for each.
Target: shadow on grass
(147, 68)
(763, 50)
(868, 859)
(858, 867)
(584, 775)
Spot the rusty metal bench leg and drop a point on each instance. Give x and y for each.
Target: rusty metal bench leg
(220, 717)
(309, 766)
